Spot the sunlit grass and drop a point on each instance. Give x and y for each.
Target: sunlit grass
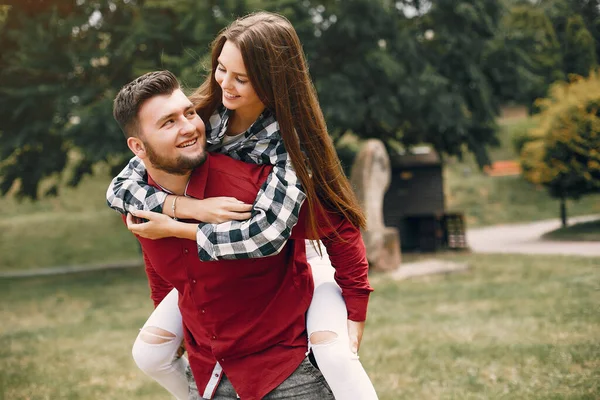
(514, 327)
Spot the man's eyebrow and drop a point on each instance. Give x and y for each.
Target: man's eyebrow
(173, 114)
(237, 73)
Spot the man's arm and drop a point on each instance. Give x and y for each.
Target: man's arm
(130, 191)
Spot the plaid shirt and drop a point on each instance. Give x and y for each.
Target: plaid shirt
(275, 210)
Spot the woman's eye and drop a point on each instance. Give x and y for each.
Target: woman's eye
(241, 81)
(219, 68)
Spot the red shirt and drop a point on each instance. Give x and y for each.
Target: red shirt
(247, 317)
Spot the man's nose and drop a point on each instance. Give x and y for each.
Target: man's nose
(188, 127)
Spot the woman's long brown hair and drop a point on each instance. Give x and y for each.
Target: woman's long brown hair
(278, 72)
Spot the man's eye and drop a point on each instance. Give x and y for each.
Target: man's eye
(168, 122)
(191, 113)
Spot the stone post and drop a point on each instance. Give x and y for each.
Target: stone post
(370, 178)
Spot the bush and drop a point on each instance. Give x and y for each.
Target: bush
(564, 153)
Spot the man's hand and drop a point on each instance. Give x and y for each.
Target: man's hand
(181, 350)
(213, 210)
(355, 333)
(158, 225)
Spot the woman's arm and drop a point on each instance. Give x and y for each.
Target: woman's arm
(130, 190)
(274, 214)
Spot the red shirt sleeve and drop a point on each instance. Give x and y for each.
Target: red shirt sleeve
(348, 256)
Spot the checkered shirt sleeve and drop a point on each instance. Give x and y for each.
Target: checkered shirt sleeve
(130, 190)
(275, 210)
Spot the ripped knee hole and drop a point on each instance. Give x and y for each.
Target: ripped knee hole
(154, 335)
(323, 337)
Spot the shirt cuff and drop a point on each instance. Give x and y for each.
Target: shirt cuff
(207, 251)
(159, 201)
(357, 306)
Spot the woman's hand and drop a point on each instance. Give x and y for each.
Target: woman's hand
(213, 210)
(159, 226)
(355, 333)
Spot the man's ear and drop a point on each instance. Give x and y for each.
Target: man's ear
(136, 146)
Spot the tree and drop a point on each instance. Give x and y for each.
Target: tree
(62, 64)
(576, 22)
(580, 50)
(526, 57)
(408, 77)
(564, 155)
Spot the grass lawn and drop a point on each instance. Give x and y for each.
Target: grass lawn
(514, 327)
(74, 228)
(584, 231)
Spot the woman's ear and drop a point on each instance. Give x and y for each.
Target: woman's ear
(136, 146)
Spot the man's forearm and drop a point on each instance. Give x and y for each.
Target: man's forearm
(183, 230)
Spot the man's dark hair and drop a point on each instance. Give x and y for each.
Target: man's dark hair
(131, 97)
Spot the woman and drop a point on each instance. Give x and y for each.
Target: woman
(259, 106)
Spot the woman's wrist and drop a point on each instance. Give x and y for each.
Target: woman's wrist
(188, 208)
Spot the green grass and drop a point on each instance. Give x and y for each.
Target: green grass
(514, 327)
(74, 228)
(487, 200)
(584, 231)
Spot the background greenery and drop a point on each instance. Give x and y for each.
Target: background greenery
(406, 71)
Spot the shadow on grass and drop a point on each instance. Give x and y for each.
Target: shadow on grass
(583, 232)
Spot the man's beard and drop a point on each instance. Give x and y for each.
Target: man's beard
(179, 166)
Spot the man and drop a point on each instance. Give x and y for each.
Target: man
(245, 318)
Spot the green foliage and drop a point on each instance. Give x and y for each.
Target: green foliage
(408, 79)
(529, 46)
(379, 71)
(580, 51)
(576, 23)
(407, 72)
(565, 155)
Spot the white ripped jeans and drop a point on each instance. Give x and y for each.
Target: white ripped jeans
(155, 348)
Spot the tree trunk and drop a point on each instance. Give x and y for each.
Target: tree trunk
(563, 211)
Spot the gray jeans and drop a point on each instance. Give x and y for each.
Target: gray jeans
(305, 383)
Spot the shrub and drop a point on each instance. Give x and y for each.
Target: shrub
(564, 153)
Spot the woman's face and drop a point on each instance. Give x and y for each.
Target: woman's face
(231, 75)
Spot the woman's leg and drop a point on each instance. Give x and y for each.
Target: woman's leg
(327, 328)
(155, 349)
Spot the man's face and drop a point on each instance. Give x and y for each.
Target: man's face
(172, 133)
